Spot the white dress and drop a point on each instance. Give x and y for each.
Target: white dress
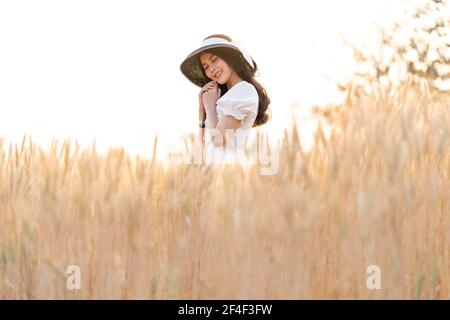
(240, 102)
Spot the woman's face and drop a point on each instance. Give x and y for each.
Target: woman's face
(215, 68)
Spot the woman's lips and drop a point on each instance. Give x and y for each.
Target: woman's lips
(218, 74)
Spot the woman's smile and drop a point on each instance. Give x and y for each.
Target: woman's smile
(217, 69)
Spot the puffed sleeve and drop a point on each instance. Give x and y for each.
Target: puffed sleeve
(240, 103)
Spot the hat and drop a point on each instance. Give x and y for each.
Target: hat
(192, 68)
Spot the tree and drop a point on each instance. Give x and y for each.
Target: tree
(415, 43)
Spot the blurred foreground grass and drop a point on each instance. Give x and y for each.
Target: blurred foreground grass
(377, 192)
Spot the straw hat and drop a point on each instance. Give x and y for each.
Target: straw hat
(192, 68)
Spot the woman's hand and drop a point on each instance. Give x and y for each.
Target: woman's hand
(210, 93)
(201, 110)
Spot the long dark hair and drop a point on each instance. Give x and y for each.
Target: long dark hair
(237, 62)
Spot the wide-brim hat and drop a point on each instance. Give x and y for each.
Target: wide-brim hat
(192, 68)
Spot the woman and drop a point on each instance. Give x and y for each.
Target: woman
(231, 101)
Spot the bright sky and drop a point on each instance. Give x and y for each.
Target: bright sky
(109, 70)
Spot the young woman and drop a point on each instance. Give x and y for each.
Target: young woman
(231, 101)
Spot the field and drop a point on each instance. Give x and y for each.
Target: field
(375, 192)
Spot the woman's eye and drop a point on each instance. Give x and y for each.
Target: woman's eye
(214, 60)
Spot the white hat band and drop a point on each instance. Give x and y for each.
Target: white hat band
(238, 45)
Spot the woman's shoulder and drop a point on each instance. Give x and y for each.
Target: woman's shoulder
(246, 87)
(242, 90)
(240, 101)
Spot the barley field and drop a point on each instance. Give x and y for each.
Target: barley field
(375, 192)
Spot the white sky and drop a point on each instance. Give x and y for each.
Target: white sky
(109, 70)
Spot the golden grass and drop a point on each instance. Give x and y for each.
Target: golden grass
(375, 193)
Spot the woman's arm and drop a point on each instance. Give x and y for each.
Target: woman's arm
(217, 129)
(201, 118)
(218, 136)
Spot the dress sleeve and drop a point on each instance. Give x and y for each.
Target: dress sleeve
(240, 105)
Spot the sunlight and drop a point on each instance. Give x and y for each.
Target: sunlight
(109, 70)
